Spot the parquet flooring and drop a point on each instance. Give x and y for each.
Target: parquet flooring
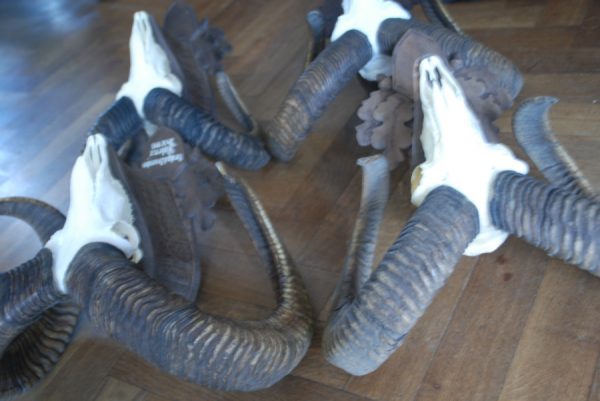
(512, 325)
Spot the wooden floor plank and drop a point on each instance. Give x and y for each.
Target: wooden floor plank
(588, 34)
(81, 373)
(314, 367)
(560, 346)
(495, 14)
(114, 390)
(538, 38)
(580, 88)
(594, 390)
(561, 13)
(133, 370)
(472, 361)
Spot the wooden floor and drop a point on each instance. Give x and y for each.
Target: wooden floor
(512, 325)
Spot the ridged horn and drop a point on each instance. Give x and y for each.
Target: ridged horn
(234, 102)
(43, 218)
(436, 13)
(531, 125)
(363, 332)
(357, 266)
(200, 129)
(318, 85)
(36, 321)
(306, 101)
(191, 344)
(565, 224)
(456, 47)
(119, 123)
(316, 42)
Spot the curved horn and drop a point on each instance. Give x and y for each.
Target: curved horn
(36, 321)
(562, 223)
(363, 332)
(531, 125)
(437, 13)
(357, 266)
(456, 47)
(200, 129)
(316, 23)
(43, 218)
(184, 341)
(119, 123)
(318, 85)
(234, 102)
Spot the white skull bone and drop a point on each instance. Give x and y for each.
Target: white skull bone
(150, 66)
(366, 16)
(456, 152)
(99, 211)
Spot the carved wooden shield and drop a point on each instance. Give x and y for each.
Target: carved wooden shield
(172, 188)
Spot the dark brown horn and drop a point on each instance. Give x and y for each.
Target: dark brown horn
(457, 48)
(318, 85)
(437, 13)
(43, 218)
(365, 330)
(200, 129)
(357, 266)
(564, 224)
(316, 43)
(234, 103)
(36, 320)
(119, 123)
(184, 341)
(531, 125)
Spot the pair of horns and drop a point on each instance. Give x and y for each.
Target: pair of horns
(129, 306)
(374, 312)
(184, 341)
